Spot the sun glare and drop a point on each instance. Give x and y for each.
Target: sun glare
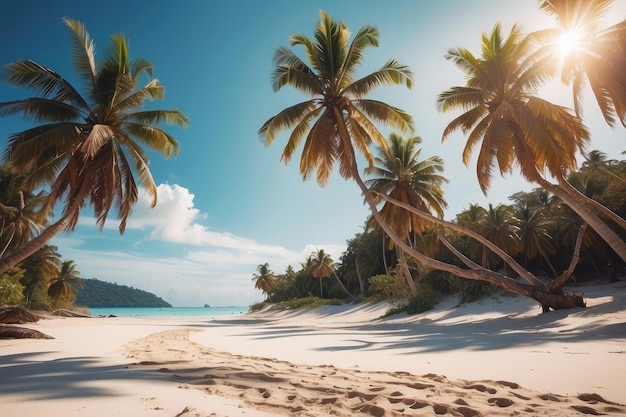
(568, 42)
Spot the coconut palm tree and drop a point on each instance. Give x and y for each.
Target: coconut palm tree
(588, 53)
(536, 233)
(335, 124)
(62, 287)
(514, 127)
(40, 269)
(88, 147)
(401, 175)
(500, 226)
(321, 265)
(265, 280)
(20, 216)
(337, 119)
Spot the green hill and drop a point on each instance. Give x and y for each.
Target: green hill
(98, 293)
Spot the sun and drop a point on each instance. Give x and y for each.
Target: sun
(568, 42)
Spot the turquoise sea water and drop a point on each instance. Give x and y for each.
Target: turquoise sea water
(207, 312)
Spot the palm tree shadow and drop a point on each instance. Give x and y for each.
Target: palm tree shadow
(74, 377)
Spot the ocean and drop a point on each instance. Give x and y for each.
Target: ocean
(207, 312)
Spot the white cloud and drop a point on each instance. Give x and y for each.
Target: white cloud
(218, 272)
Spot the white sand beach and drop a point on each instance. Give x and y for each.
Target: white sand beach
(496, 357)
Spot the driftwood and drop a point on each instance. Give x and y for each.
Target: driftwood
(14, 332)
(17, 315)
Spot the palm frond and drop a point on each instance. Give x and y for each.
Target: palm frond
(331, 41)
(298, 132)
(140, 66)
(365, 37)
(95, 140)
(384, 113)
(157, 139)
(392, 73)
(83, 52)
(172, 117)
(41, 110)
(116, 58)
(464, 98)
(43, 81)
(284, 120)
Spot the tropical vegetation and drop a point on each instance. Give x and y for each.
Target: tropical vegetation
(86, 149)
(502, 112)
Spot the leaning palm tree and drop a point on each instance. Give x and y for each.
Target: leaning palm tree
(62, 287)
(401, 175)
(514, 127)
(594, 55)
(335, 123)
(88, 148)
(265, 280)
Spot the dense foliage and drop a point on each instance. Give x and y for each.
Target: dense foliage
(96, 293)
(539, 231)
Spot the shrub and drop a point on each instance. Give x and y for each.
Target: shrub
(308, 302)
(387, 286)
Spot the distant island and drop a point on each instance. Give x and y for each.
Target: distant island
(98, 293)
(207, 306)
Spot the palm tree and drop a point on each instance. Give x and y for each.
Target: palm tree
(335, 123)
(62, 287)
(514, 127)
(401, 175)
(89, 147)
(321, 265)
(337, 119)
(536, 233)
(20, 216)
(595, 56)
(596, 161)
(39, 270)
(501, 227)
(265, 280)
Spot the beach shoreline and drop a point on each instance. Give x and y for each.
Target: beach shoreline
(493, 357)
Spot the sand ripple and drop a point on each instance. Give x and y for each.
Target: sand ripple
(303, 390)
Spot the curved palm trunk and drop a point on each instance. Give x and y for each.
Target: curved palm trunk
(343, 287)
(521, 271)
(407, 272)
(571, 190)
(577, 203)
(476, 272)
(34, 244)
(560, 281)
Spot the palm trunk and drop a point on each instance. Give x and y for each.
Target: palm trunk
(521, 271)
(560, 281)
(33, 245)
(576, 203)
(343, 287)
(407, 273)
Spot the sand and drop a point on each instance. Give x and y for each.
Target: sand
(496, 357)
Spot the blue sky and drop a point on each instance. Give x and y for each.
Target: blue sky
(227, 203)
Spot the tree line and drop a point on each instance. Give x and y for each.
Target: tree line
(537, 229)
